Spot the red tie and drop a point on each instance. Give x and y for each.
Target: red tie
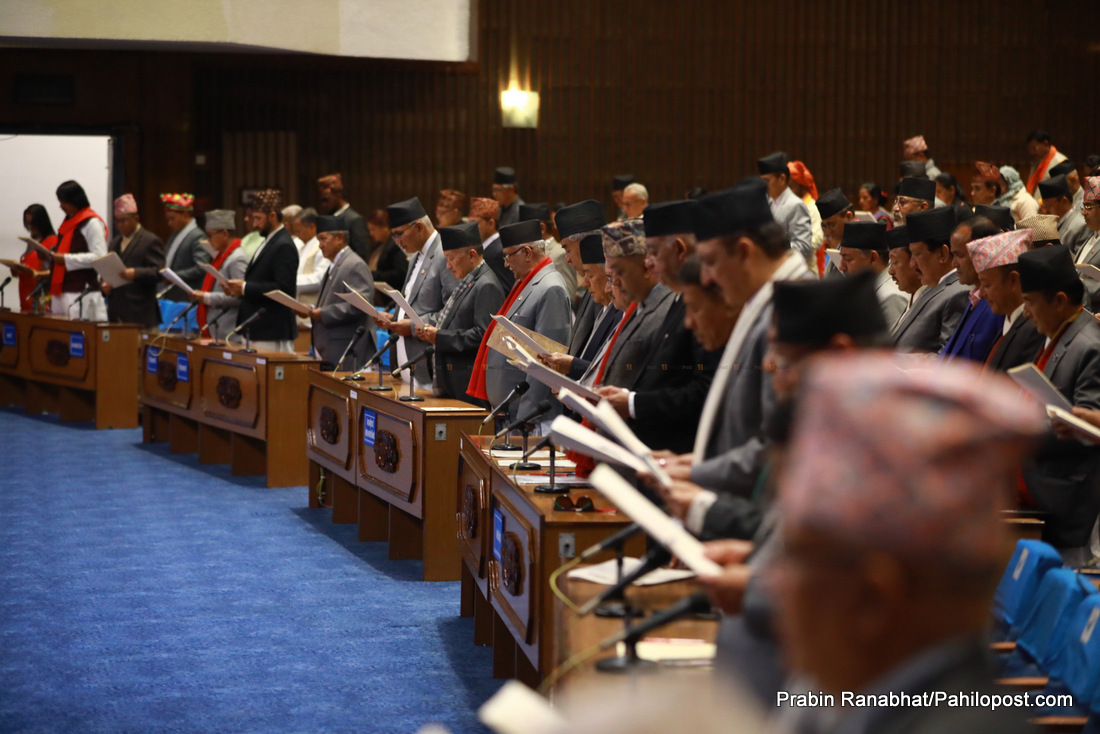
(611, 344)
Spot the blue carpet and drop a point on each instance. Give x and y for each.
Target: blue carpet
(140, 592)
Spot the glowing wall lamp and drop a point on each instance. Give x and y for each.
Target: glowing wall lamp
(519, 108)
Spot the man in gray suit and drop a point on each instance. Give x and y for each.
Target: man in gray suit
(1058, 200)
(625, 253)
(927, 326)
(863, 247)
(574, 223)
(1064, 480)
(469, 310)
(540, 304)
(335, 321)
(427, 286)
(183, 254)
(1089, 254)
(218, 311)
(787, 209)
(505, 192)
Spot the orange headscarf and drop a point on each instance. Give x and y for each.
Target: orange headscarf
(801, 175)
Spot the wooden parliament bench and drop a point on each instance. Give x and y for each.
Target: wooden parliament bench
(229, 406)
(512, 539)
(81, 370)
(389, 465)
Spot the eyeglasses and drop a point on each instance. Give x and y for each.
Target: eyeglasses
(1088, 206)
(514, 252)
(565, 503)
(399, 233)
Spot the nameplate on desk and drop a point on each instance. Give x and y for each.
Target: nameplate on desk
(183, 368)
(370, 424)
(227, 355)
(152, 356)
(498, 532)
(261, 360)
(353, 395)
(190, 348)
(76, 345)
(9, 335)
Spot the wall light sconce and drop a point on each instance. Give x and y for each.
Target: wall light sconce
(519, 108)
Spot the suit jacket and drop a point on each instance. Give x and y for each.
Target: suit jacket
(975, 334)
(274, 267)
(1019, 346)
(391, 267)
(586, 311)
(433, 286)
(136, 302)
(932, 319)
(185, 263)
(600, 332)
(357, 235)
(339, 319)
(1073, 232)
(510, 214)
(1064, 479)
(893, 300)
(792, 214)
(543, 307)
(459, 337)
(493, 252)
(672, 385)
(1091, 256)
(222, 309)
(627, 358)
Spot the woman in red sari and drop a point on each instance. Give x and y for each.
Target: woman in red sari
(36, 220)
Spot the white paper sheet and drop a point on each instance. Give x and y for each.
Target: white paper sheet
(413, 316)
(170, 275)
(606, 574)
(556, 381)
(1086, 432)
(110, 267)
(294, 305)
(1039, 387)
(521, 337)
(569, 434)
(661, 527)
(222, 280)
(360, 303)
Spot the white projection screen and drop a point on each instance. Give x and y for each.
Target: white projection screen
(33, 166)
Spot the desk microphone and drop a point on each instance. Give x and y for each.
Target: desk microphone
(2, 287)
(164, 292)
(611, 541)
(544, 407)
(211, 321)
(247, 322)
(410, 362)
(87, 289)
(656, 557)
(354, 340)
(694, 604)
(180, 316)
(517, 391)
(381, 350)
(540, 445)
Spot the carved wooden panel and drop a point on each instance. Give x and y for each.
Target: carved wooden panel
(512, 568)
(57, 353)
(161, 377)
(391, 457)
(230, 392)
(329, 435)
(473, 519)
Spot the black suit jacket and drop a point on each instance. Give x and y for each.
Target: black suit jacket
(672, 386)
(584, 319)
(357, 233)
(136, 302)
(1020, 345)
(494, 258)
(392, 268)
(459, 337)
(601, 331)
(275, 267)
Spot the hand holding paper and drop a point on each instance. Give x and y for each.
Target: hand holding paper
(221, 279)
(403, 304)
(110, 267)
(294, 305)
(170, 275)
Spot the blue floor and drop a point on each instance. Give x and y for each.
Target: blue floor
(140, 592)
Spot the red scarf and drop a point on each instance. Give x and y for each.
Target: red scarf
(208, 281)
(1041, 169)
(65, 232)
(27, 283)
(476, 387)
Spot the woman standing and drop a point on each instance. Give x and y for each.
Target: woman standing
(36, 220)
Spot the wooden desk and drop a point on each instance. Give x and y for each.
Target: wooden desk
(405, 464)
(230, 407)
(512, 539)
(332, 445)
(81, 370)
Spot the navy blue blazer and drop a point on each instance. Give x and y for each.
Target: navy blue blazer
(975, 334)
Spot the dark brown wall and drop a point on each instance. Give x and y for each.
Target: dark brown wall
(678, 94)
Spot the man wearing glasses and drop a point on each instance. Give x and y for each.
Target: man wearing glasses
(539, 302)
(427, 285)
(914, 195)
(1089, 254)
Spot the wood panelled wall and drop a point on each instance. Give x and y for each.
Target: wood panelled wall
(678, 94)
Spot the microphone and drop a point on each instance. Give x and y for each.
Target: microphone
(87, 289)
(611, 541)
(5, 283)
(542, 408)
(180, 316)
(164, 292)
(410, 362)
(517, 391)
(694, 604)
(247, 322)
(381, 350)
(656, 557)
(540, 445)
(211, 321)
(354, 340)
(39, 288)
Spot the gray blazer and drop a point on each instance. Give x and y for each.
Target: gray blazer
(357, 235)
(736, 452)
(543, 307)
(431, 290)
(185, 263)
(626, 363)
(1073, 232)
(1092, 257)
(792, 214)
(233, 269)
(459, 337)
(893, 300)
(339, 319)
(1064, 479)
(933, 318)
